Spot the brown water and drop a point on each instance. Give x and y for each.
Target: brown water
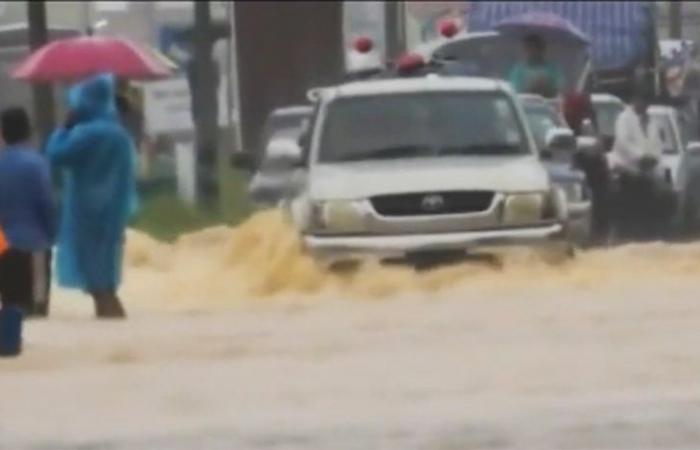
(263, 261)
(236, 339)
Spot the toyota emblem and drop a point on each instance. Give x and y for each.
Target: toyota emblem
(433, 203)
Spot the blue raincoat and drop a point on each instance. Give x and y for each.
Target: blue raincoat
(97, 159)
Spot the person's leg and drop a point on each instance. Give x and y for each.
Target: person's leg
(16, 280)
(40, 283)
(108, 305)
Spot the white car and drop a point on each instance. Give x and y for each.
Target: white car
(607, 107)
(273, 176)
(680, 162)
(545, 123)
(408, 167)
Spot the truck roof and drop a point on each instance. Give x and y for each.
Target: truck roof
(410, 85)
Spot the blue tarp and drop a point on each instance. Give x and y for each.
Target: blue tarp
(619, 31)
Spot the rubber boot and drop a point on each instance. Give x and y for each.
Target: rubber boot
(108, 306)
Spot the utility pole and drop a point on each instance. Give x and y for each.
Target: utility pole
(205, 101)
(85, 17)
(394, 29)
(675, 14)
(44, 108)
(304, 57)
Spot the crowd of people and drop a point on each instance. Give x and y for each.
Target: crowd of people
(637, 147)
(94, 155)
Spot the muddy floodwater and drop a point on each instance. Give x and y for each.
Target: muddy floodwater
(237, 340)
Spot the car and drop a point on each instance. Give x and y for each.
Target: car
(680, 163)
(556, 142)
(273, 175)
(664, 199)
(606, 108)
(286, 120)
(405, 169)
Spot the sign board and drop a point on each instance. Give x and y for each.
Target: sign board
(174, 5)
(112, 6)
(167, 106)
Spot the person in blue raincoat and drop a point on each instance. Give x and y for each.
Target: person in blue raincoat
(97, 158)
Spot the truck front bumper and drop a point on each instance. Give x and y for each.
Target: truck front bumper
(331, 249)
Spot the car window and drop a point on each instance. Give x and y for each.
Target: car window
(281, 123)
(421, 124)
(541, 119)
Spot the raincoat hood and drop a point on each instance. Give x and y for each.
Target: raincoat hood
(94, 97)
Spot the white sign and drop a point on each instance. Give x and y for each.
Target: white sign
(185, 167)
(174, 5)
(167, 106)
(112, 6)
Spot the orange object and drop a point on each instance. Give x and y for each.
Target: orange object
(4, 244)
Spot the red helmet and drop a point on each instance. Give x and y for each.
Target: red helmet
(448, 28)
(363, 44)
(577, 106)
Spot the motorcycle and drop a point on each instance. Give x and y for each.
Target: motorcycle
(643, 203)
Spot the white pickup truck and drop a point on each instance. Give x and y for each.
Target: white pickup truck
(405, 167)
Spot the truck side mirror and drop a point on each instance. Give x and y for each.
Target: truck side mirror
(693, 148)
(560, 139)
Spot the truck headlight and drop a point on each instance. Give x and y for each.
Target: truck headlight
(574, 192)
(523, 208)
(338, 215)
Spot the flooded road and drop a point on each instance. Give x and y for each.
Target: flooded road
(238, 342)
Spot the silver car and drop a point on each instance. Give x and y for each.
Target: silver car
(680, 163)
(273, 176)
(404, 167)
(554, 139)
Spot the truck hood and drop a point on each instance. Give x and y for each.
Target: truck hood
(358, 180)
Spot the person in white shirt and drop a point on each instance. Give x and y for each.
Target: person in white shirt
(637, 138)
(643, 209)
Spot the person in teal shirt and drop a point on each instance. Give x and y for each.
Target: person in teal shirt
(536, 75)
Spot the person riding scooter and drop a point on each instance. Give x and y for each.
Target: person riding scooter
(643, 199)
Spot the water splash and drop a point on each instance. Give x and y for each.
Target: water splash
(263, 259)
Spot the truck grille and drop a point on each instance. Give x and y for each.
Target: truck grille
(432, 203)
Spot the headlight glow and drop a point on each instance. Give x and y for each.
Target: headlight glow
(338, 215)
(523, 208)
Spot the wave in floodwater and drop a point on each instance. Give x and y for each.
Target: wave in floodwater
(263, 258)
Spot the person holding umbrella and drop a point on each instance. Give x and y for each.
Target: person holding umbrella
(97, 157)
(536, 74)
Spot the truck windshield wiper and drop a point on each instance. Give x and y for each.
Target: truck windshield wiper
(496, 148)
(403, 151)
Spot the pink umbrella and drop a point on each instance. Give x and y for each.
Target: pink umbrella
(76, 58)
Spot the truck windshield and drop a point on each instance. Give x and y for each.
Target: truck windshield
(421, 125)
